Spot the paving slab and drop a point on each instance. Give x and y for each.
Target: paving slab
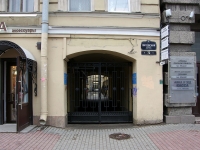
(91, 137)
(28, 129)
(8, 128)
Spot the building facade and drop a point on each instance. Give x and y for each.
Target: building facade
(97, 62)
(182, 17)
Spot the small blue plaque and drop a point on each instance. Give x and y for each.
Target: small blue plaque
(134, 78)
(148, 45)
(65, 79)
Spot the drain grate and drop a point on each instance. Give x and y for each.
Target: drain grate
(119, 136)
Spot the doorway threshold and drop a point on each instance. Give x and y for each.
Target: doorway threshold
(28, 129)
(197, 120)
(12, 128)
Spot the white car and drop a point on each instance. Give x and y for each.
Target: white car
(95, 96)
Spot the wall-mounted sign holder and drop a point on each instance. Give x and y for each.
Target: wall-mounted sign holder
(148, 47)
(148, 52)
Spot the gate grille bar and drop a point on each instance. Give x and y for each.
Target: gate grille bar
(99, 92)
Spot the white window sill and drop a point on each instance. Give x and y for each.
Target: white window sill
(119, 11)
(18, 15)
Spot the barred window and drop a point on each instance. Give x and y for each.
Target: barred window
(79, 5)
(118, 5)
(21, 5)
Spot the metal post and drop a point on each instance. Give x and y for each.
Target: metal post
(44, 66)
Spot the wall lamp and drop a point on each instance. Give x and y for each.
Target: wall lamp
(168, 13)
(191, 15)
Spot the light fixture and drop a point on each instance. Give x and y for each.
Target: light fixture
(191, 15)
(168, 13)
(14, 72)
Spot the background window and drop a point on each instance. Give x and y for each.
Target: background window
(21, 5)
(79, 5)
(118, 5)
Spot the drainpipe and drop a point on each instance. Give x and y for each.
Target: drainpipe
(44, 46)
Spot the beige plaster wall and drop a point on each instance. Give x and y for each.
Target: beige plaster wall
(148, 103)
(149, 90)
(150, 2)
(91, 21)
(101, 6)
(56, 88)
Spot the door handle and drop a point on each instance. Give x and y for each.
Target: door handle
(21, 96)
(17, 101)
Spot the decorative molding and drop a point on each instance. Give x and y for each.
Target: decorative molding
(104, 31)
(18, 15)
(87, 31)
(106, 14)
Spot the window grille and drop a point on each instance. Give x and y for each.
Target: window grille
(118, 5)
(79, 5)
(21, 5)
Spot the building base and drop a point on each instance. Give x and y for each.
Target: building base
(189, 119)
(56, 121)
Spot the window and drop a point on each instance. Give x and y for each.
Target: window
(79, 5)
(118, 6)
(21, 5)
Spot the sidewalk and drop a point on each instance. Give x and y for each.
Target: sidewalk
(96, 137)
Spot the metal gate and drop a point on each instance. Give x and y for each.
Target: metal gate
(99, 93)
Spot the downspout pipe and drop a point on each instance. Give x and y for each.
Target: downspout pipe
(44, 66)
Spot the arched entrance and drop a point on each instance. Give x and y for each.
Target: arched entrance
(18, 73)
(99, 89)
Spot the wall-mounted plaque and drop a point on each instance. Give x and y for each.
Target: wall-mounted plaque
(182, 79)
(148, 52)
(148, 45)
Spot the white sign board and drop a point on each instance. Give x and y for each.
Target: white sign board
(165, 31)
(164, 43)
(164, 54)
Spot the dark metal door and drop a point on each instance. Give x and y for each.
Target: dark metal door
(196, 109)
(10, 79)
(23, 102)
(99, 93)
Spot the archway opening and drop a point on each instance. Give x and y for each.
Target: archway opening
(18, 70)
(99, 89)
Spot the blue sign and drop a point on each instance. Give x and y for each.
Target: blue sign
(65, 79)
(134, 78)
(148, 45)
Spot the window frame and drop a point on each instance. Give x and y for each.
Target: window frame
(22, 9)
(91, 7)
(129, 8)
